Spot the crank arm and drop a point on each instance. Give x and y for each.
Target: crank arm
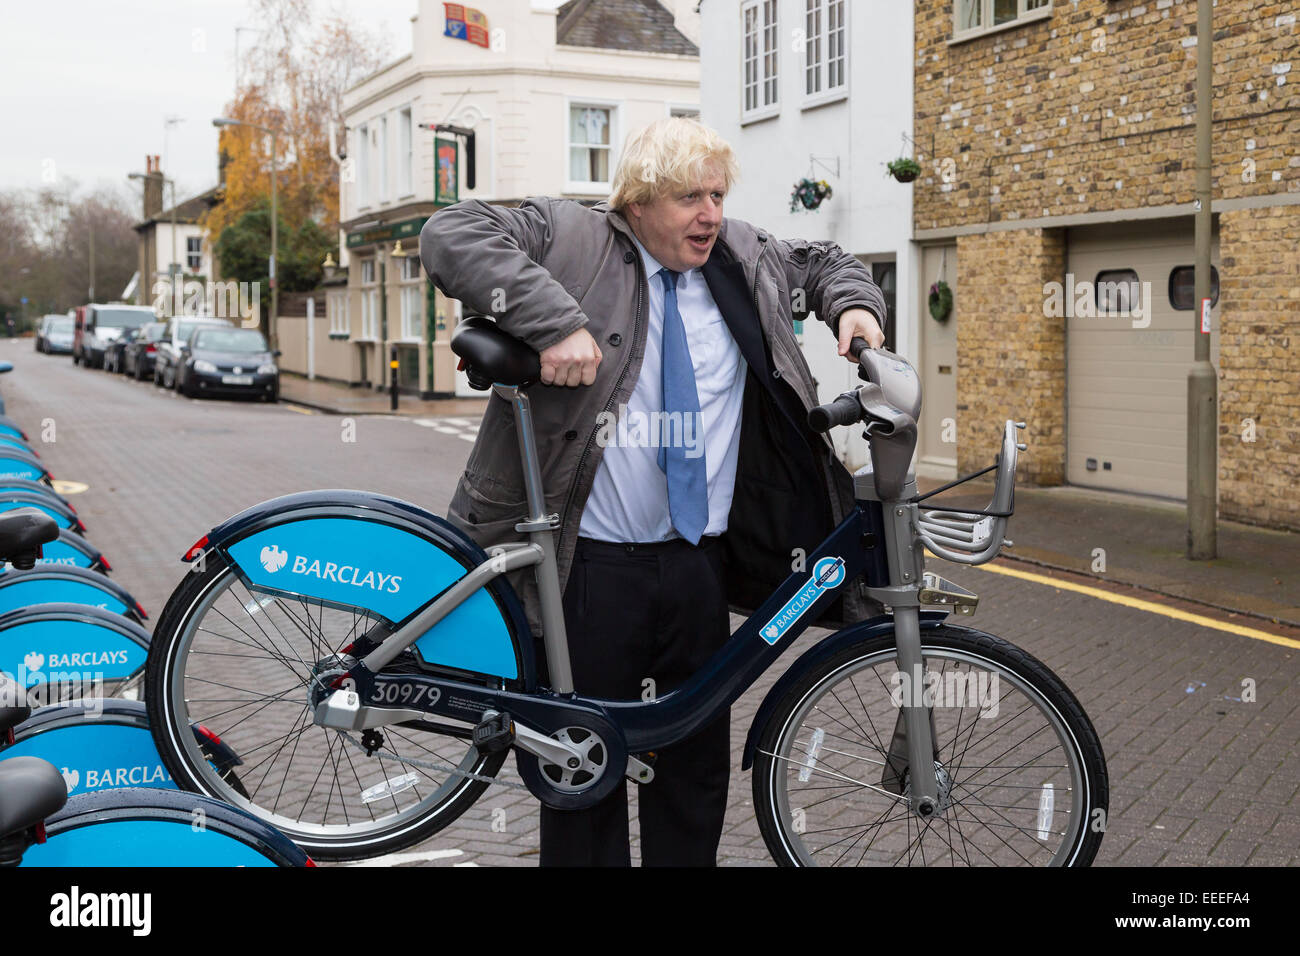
(540, 745)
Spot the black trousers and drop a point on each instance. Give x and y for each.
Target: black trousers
(639, 613)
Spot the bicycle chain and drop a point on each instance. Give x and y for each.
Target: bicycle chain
(430, 765)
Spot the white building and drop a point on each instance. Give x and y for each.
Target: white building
(822, 89)
(550, 96)
(170, 236)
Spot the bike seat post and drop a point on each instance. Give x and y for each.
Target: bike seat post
(554, 636)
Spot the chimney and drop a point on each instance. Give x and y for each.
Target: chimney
(153, 188)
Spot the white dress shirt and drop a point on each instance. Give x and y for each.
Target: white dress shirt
(629, 499)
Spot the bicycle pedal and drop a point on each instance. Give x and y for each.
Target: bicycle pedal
(494, 733)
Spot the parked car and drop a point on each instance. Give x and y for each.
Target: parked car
(99, 325)
(229, 361)
(140, 351)
(54, 334)
(167, 357)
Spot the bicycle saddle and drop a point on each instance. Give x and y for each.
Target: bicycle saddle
(492, 355)
(31, 789)
(22, 532)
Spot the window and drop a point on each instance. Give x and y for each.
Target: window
(1182, 288)
(1118, 292)
(369, 301)
(412, 276)
(973, 17)
(363, 166)
(384, 194)
(194, 254)
(336, 309)
(405, 156)
(758, 58)
(589, 144)
(825, 41)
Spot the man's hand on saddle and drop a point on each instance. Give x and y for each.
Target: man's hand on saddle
(572, 361)
(859, 323)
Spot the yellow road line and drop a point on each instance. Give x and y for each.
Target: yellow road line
(299, 409)
(1151, 606)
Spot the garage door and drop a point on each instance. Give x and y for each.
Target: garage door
(1126, 380)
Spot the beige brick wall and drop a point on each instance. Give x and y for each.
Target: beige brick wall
(1010, 355)
(1093, 109)
(1259, 366)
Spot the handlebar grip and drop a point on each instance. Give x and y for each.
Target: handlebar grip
(856, 345)
(845, 410)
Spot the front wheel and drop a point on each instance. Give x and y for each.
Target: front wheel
(1021, 774)
(248, 665)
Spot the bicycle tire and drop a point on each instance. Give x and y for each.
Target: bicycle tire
(788, 800)
(193, 622)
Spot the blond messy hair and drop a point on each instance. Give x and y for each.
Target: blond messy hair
(670, 154)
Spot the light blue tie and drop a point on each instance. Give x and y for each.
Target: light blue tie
(688, 491)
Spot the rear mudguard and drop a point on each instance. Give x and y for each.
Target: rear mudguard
(70, 644)
(22, 484)
(66, 584)
(61, 513)
(10, 427)
(70, 549)
(15, 463)
(815, 656)
(353, 549)
(15, 442)
(104, 744)
(146, 827)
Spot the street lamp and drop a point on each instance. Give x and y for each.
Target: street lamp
(275, 288)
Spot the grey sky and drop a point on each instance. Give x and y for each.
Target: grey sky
(85, 84)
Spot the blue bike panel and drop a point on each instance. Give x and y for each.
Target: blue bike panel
(12, 441)
(14, 467)
(55, 591)
(64, 551)
(11, 431)
(143, 843)
(388, 571)
(97, 756)
(77, 650)
(63, 520)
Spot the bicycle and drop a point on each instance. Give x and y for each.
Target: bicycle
(379, 648)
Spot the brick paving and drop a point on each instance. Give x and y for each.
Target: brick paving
(1196, 777)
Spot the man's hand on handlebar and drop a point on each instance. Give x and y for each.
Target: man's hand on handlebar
(859, 323)
(572, 361)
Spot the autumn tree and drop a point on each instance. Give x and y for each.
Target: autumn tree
(293, 80)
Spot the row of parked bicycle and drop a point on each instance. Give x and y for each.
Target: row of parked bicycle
(194, 355)
(81, 780)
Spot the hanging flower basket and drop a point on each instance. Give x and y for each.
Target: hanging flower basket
(940, 301)
(904, 170)
(809, 194)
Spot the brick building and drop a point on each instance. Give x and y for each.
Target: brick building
(1057, 139)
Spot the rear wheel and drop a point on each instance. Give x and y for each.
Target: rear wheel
(1022, 778)
(246, 664)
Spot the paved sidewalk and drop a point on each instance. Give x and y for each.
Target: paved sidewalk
(339, 399)
(1140, 541)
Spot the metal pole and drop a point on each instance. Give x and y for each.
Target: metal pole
(383, 307)
(275, 285)
(92, 258)
(175, 270)
(392, 380)
(1202, 382)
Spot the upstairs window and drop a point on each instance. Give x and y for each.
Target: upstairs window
(758, 59)
(974, 17)
(825, 48)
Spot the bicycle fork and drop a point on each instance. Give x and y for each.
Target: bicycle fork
(912, 749)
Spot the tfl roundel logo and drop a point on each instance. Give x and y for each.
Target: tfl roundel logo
(829, 572)
(272, 558)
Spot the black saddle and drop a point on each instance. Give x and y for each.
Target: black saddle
(22, 532)
(31, 789)
(494, 356)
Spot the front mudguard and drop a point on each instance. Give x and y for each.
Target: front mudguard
(813, 657)
(352, 549)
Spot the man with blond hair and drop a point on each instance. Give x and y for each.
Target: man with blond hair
(654, 308)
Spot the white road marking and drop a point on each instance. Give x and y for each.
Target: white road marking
(399, 859)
